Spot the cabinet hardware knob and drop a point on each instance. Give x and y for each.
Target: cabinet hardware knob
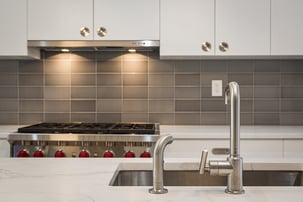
(84, 31)
(206, 46)
(223, 46)
(102, 31)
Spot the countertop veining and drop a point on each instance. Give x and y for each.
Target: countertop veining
(86, 180)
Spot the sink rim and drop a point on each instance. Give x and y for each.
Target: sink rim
(193, 167)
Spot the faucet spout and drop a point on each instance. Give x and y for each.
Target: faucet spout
(232, 97)
(158, 165)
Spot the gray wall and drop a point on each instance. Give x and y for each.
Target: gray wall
(116, 86)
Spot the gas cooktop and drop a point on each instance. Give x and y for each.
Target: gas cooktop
(92, 128)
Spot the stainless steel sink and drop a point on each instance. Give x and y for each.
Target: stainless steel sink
(193, 178)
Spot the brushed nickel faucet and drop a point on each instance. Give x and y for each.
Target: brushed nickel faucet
(233, 166)
(158, 165)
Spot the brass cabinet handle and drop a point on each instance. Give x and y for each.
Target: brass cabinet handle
(84, 31)
(102, 31)
(206, 46)
(223, 46)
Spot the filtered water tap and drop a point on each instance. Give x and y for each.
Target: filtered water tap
(158, 165)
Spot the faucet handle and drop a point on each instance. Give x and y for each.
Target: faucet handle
(203, 161)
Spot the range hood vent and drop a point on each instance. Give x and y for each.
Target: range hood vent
(139, 45)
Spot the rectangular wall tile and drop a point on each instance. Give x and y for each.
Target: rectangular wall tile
(163, 106)
(213, 118)
(109, 117)
(135, 80)
(161, 92)
(118, 86)
(187, 79)
(241, 78)
(109, 67)
(187, 92)
(31, 106)
(163, 118)
(109, 92)
(267, 119)
(109, 79)
(56, 93)
(292, 105)
(31, 118)
(109, 106)
(57, 80)
(267, 79)
(8, 105)
(292, 79)
(83, 92)
(135, 92)
(187, 118)
(83, 106)
(31, 66)
(31, 79)
(83, 66)
(134, 106)
(57, 117)
(83, 80)
(134, 117)
(57, 106)
(267, 105)
(187, 106)
(9, 92)
(160, 80)
(83, 117)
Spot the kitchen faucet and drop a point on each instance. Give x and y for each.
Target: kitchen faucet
(158, 165)
(233, 166)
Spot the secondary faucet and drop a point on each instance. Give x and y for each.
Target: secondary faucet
(233, 166)
(158, 165)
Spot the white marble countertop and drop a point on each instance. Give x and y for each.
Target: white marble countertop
(86, 180)
(223, 132)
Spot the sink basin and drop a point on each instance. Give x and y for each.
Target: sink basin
(193, 178)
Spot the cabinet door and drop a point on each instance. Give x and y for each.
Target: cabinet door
(126, 20)
(244, 25)
(185, 26)
(286, 27)
(59, 19)
(12, 28)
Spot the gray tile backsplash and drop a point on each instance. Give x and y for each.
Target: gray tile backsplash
(117, 86)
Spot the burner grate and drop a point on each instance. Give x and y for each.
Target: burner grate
(91, 128)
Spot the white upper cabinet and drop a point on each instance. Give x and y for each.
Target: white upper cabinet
(185, 26)
(126, 19)
(286, 27)
(243, 25)
(93, 19)
(214, 27)
(60, 19)
(13, 40)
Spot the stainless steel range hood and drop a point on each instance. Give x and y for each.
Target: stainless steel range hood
(94, 45)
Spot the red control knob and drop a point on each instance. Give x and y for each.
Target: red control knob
(129, 154)
(23, 153)
(84, 154)
(38, 153)
(145, 154)
(108, 154)
(59, 154)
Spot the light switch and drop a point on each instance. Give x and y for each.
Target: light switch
(216, 88)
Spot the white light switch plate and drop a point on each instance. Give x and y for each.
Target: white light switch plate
(216, 88)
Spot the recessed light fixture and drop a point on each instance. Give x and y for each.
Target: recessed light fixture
(65, 50)
(132, 50)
